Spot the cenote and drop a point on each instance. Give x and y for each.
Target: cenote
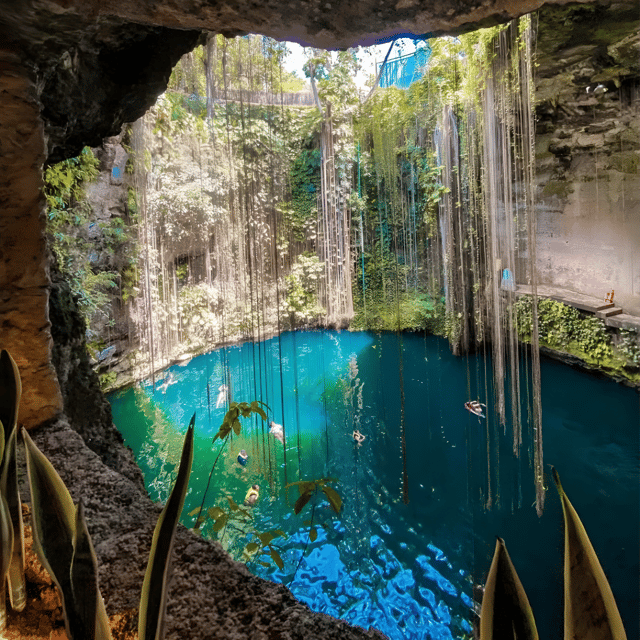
(416, 532)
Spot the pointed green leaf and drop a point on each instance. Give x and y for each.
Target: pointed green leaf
(334, 498)
(301, 502)
(232, 504)
(313, 534)
(154, 588)
(505, 614)
(53, 516)
(10, 392)
(252, 547)
(264, 564)
(9, 488)
(590, 610)
(194, 511)
(275, 556)
(237, 427)
(91, 617)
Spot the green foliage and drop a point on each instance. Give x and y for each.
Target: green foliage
(409, 311)
(563, 327)
(107, 380)
(236, 411)
(629, 345)
(68, 227)
(300, 214)
(301, 301)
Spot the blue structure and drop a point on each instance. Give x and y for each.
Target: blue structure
(403, 71)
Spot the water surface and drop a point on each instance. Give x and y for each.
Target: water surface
(415, 532)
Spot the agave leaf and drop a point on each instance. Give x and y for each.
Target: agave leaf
(334, 498)
(6, 546)
(10, 490)
(301, 502)
(91, 616)
(506, 613)
(590, 610)
(153, 600)
(53, 516)
(10, 392)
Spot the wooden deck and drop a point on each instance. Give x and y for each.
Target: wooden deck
(612, 315)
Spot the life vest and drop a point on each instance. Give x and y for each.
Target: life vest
(250, 493)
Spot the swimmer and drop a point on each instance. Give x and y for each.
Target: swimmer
(252, 496)
(169, 380)
(475, 407)
(358, 437)
(222, 395)
(243, 457)
(276, 431)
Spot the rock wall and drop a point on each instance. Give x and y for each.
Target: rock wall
(588, 150)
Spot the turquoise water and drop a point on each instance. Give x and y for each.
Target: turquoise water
(414, 534)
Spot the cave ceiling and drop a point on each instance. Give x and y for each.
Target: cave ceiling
(100, 63)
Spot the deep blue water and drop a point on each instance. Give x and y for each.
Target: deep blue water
(406, 568)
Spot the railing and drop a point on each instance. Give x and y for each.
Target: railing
(303, 99)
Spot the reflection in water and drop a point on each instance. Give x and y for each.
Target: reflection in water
(406, 569)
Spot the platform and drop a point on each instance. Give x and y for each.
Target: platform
(612, 315)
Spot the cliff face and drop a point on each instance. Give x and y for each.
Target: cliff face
(588, 150)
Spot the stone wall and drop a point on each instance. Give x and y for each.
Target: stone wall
(588, 150)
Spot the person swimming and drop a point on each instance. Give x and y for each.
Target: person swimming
(243, 457)
(276, 431)
(169, 380)
(252, 496)
(475, 407)
(222, 395)
(358, 437)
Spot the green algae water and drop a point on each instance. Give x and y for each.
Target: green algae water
(416, 532)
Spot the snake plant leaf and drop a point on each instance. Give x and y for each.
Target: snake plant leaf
(506, 613)
(53, 515)
(10, 392)
(6, 547)
(155, 586)
(10, 490)
(590, 611)
(91, 616)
